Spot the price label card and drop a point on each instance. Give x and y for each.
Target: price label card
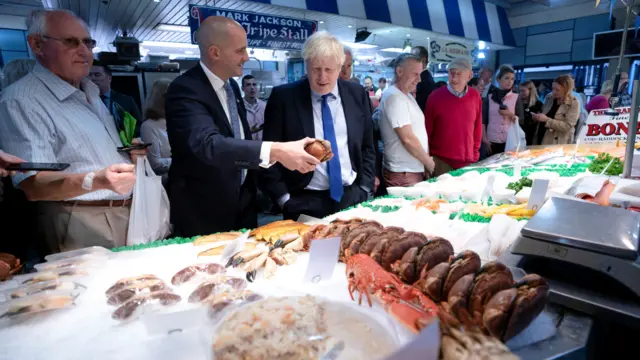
(323, 257)
(310, 220)
(538, 192)
(517, 171)
(488, 189)
(174, 321)
(233, 247)
(425, 346)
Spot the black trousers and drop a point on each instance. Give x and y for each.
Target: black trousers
(319, 203)
(191, 216)
(497, 148)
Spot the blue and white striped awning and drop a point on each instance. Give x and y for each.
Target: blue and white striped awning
(471, 19)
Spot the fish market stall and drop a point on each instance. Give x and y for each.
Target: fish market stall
(362, 283)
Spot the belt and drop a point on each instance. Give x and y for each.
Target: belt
(103, 203)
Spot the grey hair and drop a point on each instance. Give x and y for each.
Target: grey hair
(15, 70)
(607, 87)
(401, 60)
(323, 44)
(37, 20)
(154, 104)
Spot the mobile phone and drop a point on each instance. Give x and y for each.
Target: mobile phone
(31, 166)
(134, 147)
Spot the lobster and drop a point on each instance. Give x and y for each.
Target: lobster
(405, 303)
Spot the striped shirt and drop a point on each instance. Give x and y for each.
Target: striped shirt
(45, 119)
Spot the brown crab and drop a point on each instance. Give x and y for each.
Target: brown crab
(438, 281)
(367, 227)
(436, 251)
(492, 278)
(393, 254)
(320, 149)
(9, 265)
(511, 311)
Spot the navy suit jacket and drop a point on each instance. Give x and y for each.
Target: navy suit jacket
(289, 117)
(204, 178)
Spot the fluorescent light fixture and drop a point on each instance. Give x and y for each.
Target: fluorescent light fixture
(408, 35)
(481, 45)
(169, 44)
(188, 52)
(550, 68)
(174, 28)
(321, 22)
(481, 55)
(395, 50)
(349, 26)
(356, 63)
(96, 49)
(359, 45)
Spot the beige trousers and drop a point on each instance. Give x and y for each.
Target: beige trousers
(441, 167)
(66, 226)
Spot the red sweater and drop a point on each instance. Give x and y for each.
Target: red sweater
(454, 126)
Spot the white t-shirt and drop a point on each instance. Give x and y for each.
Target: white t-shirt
(398, 110)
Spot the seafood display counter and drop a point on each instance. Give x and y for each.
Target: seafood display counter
(438, 250)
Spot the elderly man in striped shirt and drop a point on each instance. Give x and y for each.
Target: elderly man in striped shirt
(55, 114)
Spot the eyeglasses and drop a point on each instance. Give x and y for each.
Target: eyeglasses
(74, 42)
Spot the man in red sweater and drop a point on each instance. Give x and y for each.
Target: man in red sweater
(453, 117)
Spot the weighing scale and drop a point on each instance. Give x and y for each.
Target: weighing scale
(587, 252)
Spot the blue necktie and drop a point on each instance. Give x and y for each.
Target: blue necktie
(333, 167)
(235, 119)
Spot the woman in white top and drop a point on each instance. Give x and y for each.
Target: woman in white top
(154, 129)
(406, 147)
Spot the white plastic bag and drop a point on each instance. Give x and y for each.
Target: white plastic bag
(149, 218)
(516, 138)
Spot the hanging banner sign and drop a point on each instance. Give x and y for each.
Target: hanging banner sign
(443, 51)
(603, 128)
(263, 31)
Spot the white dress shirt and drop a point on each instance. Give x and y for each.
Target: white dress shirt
(320, 179)
(218, 87)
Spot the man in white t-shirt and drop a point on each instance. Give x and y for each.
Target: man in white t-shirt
(406, 147)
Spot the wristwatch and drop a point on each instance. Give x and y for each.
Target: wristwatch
(87, 182)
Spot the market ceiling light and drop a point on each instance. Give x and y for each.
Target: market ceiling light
(188, 52)
(174, 28)
(170, 44)
(481, 55)
(358, 45)
(395, 50)
(96, 49)
(549, 68)
(481, 45)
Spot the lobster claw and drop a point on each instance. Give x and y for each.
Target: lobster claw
(414, 319)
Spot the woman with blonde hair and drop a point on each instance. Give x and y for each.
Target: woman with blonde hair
(559, 114)
(154, 129)
(531, 104)
(601, 101)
